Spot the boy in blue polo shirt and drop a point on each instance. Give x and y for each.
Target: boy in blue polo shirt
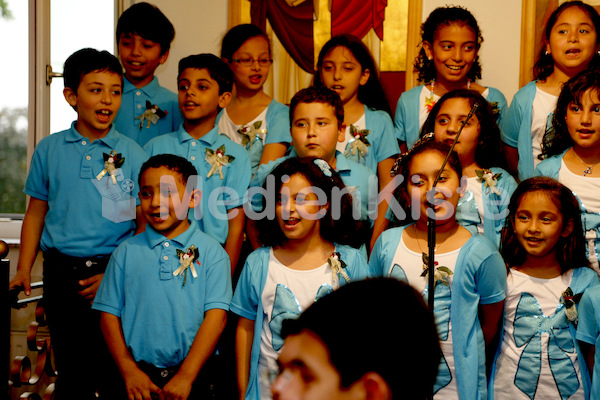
(204, 86)
(144, 36)
(80, 182)
(166, 291)
(317, 124)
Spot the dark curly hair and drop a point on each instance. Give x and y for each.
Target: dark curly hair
(371, 94)
(544, 66)
(570, 250)
(557, 139)
(337, 224)
(404, 161)
(440, 17)
(489, 146)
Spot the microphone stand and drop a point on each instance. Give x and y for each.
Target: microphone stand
(431, 221)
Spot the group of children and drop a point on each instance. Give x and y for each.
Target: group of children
(152, 200)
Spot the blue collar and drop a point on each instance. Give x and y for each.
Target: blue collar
(209, 138)
(149, 90)
(110, 139)
(155, 238)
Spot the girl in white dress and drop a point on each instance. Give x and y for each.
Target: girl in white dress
(544, 250)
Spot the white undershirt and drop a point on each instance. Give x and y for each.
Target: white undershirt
(543, 105)
(228, 128)
(359, 124)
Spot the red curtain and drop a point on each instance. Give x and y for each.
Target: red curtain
(357, 17)
(294, 25)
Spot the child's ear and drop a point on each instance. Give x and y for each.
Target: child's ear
(372, 386)
(364, 78)
(547, 45)
(163, 58)
(567, 228)
(428, 50)
(224, 99)
(195, 197)
(70, 96)
(341, 132)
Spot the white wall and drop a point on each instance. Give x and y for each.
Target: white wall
(500, 24)
(199, 28)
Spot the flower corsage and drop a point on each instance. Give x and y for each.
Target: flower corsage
(217, 160)
(186, 261)
(360, 143)
(569, 300)
(441, 274)
(489, 178)
(151, 115)
(112, 161)
(251, 133)
(337, 266)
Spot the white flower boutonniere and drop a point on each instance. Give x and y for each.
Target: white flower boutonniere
(251, 133)
(489, 178)
(441, 274)
(360, 143)
(217, 160)
(569, 300)
(112, 161)
(151, 115)
(186, 261)
(337, 266)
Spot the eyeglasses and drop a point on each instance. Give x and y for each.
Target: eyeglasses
(248, 62)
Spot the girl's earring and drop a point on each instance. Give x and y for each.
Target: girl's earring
(431, 58)
(546, 53)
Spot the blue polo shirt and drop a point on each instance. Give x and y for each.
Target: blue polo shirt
(160, 316)
(218, 195)
(133, 104)
(86, 216)
(356, 176)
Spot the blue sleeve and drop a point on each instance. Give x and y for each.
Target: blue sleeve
(383, 252)
(356, 263)
(510, 125)
(278, 124)
(386, 145)
(246, 297)
(110, 296)
(138, 158)
(490, 279)
(587, 313)
(218, 280)
(399, 121)
(37, 178)
(496, 96)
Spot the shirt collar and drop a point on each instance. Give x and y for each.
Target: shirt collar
(209, 139)
(110, 139)
(149, 90)
(155, 238)
(341, 162)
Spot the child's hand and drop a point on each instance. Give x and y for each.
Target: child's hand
(139, 386)
(91, 286)
(22, 279)
(178, 388)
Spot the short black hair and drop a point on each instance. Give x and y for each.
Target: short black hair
(379, 325)
(217, 69)
(149, 22)
(88, 60)
(318, 94)
(174, 163)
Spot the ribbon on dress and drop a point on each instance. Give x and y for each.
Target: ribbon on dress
(286, 306)
(530, 322)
